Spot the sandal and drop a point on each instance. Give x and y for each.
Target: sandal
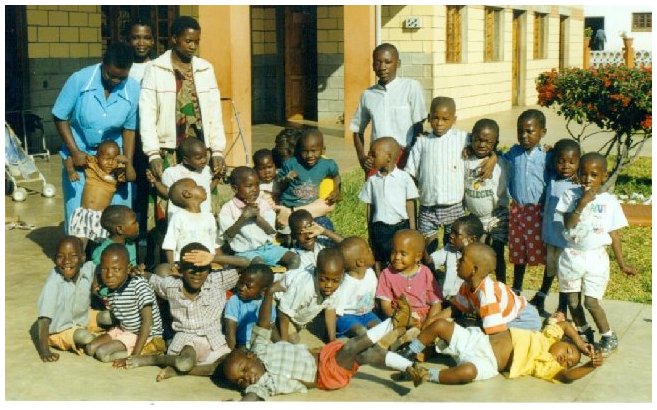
(402, 316)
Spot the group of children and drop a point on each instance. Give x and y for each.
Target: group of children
(397, 292)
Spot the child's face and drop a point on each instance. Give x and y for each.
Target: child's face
(305, 240)
(442, 119)
(244, 370)
(458, 237)
(197, 158)
(385, 65)
(249, 287)
(312, 148)
(530, 134)
(69, 259)
(483, 142)
(465, 267)
(566, 354)
(266, 169)
(141, 40)
(131, 227)
(405, 257)
(248, 189)
(380, 156)
(194, 276)
(329, 278)
(592, 174)
(197, 192)
(106, 157)
(566, 163)
(113, 269)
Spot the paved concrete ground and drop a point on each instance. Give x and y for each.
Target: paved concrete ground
(625, 377)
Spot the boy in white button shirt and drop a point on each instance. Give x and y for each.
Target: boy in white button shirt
(390, 197)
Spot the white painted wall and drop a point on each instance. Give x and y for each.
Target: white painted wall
(619, 18)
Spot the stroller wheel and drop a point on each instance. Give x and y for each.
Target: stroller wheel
(20, 194)
(48, 190)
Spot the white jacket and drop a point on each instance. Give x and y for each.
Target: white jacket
(157, 106)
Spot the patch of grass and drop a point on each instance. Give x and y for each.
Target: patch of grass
(637, 177)
(349, 219)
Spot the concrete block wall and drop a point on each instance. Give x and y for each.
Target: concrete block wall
(61, 40)
(266, 65)
(330, 65)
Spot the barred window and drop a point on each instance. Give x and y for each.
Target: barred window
(453, 34)
(492, 24)
(642, 22)
(540, 35)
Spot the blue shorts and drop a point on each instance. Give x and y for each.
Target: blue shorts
(269, 252)
(346, 322)
(527, 319)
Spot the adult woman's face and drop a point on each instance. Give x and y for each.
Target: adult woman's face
(113, 75)
(186, 44)
(141, 41)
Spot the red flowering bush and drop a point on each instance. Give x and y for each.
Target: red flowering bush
(615, 98)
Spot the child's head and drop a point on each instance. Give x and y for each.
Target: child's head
(329, 271)
(407, 250)
(465, 230)
(566, 157)
(485, 136)
(356, 253)
(193, 276)
(140, 38)
(384, 152)
(194, 154)
(592, 170)
(254, 281)
(385, 62)
(566, 353)
(476, 262)
(311, 147)
(106, 155)
(69, 257)
(263, 163)
(245, 184)
(442, 115)
(114, 263)
(119, 220)
(300, 220)
(185, 192)
(531, 128)
(242, 368)
(286, 142)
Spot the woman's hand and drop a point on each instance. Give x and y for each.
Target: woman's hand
(79, 158)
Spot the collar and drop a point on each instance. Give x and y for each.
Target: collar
(95, 83)
(432, 134)
(164, 62)
(392, 173)
(391, 84)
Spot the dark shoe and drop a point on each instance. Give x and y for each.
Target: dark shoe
(407, 353)
(539, 302)
(608, 344)
(588, 336)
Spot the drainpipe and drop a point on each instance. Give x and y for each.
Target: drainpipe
(377, 24)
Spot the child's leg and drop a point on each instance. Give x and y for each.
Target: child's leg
(110, 351)
(500, 263)
(92, 346)
(346, 356)
(598, 314)
(539, 298)
(182, 362)
(576, 309)
(82, 337)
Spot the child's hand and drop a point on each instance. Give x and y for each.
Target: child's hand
(291, 176)
(596, 359)
(151, 178)
(628, 270)
(73, 175)
(49, 356)
(366, 162)
(120, 364)
(198, 258)
(250, 211)
(122, 159)
(587, 348)
(588, 196)
(314, 230)
(137, 270)
(175, 270)
(467, 152)
(333, 197)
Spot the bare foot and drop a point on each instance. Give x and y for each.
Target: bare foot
(166, 373)
(132, 362)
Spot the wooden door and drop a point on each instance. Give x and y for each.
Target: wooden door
(516, 37)
(563, 20)
(295, 69)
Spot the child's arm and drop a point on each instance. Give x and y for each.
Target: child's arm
(162, 190)
(263, 224)
(249, 213)
(572, 219)
(434, 311)
(231, 333)
(169, 254)
(575, 373)
(316, 229)
(283, 325)
(364, 160)
(70, 170)
(331, 318)
(336, 194)
(617, 247)
(44, 333)
(146, 315)
(570, 332)
(130, 173)
(386, 307)
(410, 210)
(216, 179)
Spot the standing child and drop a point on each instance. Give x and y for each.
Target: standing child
(121, 223)
(407, 276)
(241, 312)
(528, 176)
(309, 237)
(190, 223)
(103, 173)
(592, 220)
(390, 197)
(133, 304)
(465, 230)
(247, 221)
(196, 301)
(487, 198)
(355, 304)
(64, 302)
(566, 162)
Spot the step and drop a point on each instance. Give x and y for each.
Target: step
(637, 214)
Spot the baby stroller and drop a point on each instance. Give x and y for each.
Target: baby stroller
(20, 169)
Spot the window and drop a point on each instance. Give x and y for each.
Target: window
(642, 22)
(453, 37)
(115, 21)
(492, 24)
(540, 34)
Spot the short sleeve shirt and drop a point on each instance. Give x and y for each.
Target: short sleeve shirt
(528, 174)
(388, 195)
(531, 355)
(421, 289)
(302, 301)
(483, 196)
(250, 235)
(356, 296)
(245, 314)
(127, 302)
(129, 245)
(178, 172)
(304, 189)
(186, 227)
(553, 223)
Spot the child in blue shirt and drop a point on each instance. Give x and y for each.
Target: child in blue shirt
(241, 312)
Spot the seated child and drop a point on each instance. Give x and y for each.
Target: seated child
(309, 237)
(190, 223)
(407, 276)
(64, 320)
(241, 312)
(465, 230)
(121, 224)
(355, 304)
(263, 163)
(493, 302)
(103, 173)
(246, 222)
(133, 305)
(520, 352)
(308, 292)
(592, 220)
(487, 198)
(286, 142)
(270, 369)
(196, 300)
(301, 177)
(390, 197)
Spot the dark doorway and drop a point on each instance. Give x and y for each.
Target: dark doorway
(596, 23)
(16, 68)
(300, 60)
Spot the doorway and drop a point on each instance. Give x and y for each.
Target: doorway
(516, 57)
(16, 67)
(300, 61)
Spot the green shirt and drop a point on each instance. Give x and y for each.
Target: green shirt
(130, 246)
